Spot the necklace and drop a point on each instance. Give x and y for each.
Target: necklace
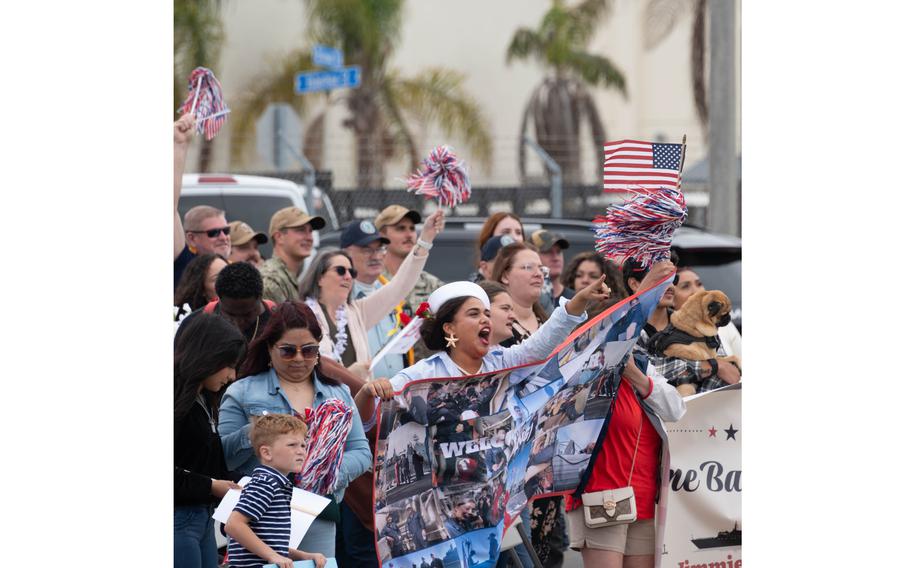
(341, 327)
(257, 328)
(463, 372)
(205, 408)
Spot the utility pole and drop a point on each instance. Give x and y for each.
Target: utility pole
(723, 214)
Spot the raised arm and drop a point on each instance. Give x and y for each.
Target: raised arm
(378, 304)
(183, 134)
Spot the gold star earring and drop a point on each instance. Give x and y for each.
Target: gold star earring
(451, 340)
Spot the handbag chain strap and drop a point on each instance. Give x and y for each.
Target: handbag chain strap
(638, 439)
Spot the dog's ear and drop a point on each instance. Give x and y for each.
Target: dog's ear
(714, 308)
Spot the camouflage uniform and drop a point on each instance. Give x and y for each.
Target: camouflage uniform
(278, 284)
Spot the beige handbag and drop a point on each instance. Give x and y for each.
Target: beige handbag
(612, 506)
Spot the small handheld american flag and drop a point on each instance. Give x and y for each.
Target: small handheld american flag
(635, 164)
(205, 100)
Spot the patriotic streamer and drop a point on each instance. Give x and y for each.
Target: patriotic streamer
(205, 100)
(442, 177)
(329, 426)
(642, 227)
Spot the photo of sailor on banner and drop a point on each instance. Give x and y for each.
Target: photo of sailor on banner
(410, 524)
(406, 460)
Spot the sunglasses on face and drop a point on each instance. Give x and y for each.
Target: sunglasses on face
(212, 233)
(288, 352)
(340, 270)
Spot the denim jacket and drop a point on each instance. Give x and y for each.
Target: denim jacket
(261, 394)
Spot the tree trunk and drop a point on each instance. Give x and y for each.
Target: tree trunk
(205, 154)
(366, 123)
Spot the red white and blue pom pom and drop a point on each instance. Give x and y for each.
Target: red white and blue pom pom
(443, 177)
(642, 227)
(328, 426)
(205, 100)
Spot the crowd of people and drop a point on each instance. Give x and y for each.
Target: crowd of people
(274, 376)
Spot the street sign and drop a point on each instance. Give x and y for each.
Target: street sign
(346, 77)
(279, 118)
(326, 56)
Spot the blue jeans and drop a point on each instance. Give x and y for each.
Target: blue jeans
(194, 538)
(354, 544)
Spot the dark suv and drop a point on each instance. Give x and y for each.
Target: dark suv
(716, 258)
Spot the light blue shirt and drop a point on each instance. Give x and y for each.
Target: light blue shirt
(261, 394)
(535, 348)
(378, 335)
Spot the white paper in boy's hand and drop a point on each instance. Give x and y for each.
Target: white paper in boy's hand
(305, 507)
(400, 342)
(228, 502)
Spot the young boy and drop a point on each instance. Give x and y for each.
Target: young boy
(260, 524)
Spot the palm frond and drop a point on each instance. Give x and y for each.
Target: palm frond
(586, 17)
(661, 16)
(597, 70)
(525, 44)
(437, 95)
(367, 32)
(198, 38)
(274, 87)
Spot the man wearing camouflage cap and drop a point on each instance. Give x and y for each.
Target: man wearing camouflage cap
(398, 225)
(551, 245)
(245, 244)
(291, 230)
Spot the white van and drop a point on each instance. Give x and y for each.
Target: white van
(253, 199)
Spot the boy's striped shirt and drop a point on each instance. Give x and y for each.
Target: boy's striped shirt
(266, 501)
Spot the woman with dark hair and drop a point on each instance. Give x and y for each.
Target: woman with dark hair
(518, 267)
(284, 373)
(586, 267)
(197, 285)
(502, 313)
(205, 358)
(326, 289)
(459, 326)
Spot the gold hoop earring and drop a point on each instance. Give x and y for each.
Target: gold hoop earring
(451, 340)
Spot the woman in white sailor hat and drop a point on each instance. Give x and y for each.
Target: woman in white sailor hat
(458, 324)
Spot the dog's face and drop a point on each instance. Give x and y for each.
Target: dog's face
(715, 307)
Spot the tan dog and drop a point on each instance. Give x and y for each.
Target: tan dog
(700, 317)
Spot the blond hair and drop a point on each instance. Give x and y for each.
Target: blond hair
(266, 429)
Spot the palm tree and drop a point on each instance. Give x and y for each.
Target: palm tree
(562, 100)
(661, 17)
(387, 105)
(198, 37)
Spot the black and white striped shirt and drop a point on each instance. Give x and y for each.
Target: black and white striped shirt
(266, 501)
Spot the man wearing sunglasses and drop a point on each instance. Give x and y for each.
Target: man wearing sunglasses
(291, 230)
(204, 229)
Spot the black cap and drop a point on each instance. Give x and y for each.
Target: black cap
(492, 246)
(361, 233)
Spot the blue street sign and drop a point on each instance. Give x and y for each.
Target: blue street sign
(344, 78)
(326, 56)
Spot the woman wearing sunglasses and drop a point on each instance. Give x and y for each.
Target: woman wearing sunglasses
(285, 374)
(204, 361)
(327, 286)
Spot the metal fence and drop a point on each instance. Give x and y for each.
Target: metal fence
(578, 202)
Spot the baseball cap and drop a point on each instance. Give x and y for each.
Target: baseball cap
(544, 240)
(492, 246)
(393, 214)
(361, 233)
(293, 217)
(241, 234)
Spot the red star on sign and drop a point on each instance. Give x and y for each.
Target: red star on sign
(712, 433)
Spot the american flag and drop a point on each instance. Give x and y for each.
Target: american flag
(631, 164)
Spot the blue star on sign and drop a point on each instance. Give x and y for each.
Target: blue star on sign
(666, 156)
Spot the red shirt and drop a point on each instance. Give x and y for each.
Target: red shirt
(612, 464)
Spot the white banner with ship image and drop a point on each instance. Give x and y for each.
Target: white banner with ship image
(704, 524)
